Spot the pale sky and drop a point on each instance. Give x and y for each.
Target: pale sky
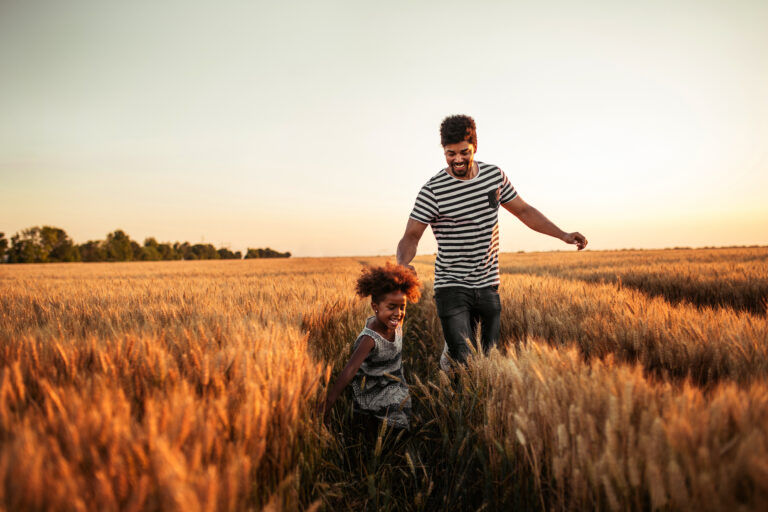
(310, 126)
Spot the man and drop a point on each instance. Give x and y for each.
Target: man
(461, 203)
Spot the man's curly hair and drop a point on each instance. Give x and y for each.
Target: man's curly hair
(377, 282)
(455, 129)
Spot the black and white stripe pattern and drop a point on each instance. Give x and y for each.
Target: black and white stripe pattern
(464, 216)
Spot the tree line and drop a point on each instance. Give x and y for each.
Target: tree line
(49, 244)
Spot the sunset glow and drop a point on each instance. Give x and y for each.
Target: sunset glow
(310, 127)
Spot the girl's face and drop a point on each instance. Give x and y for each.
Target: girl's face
(390, 311)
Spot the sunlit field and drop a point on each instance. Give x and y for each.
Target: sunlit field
(632, 380)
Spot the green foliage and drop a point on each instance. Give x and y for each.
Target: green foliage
(93, 250)
(181, 249)
(26, 247)
(58, 245)
(137, 250)
(42, 245)
(3, 246)
(202, 252)
(226, 254)
(266, 253)
(167, 253)
(118, 246)
(196, 251)
(51, 244)
(150, 251)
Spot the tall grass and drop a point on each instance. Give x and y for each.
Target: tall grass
(181, 385)
(731, 278)
(156, 386)
(679, 341)
(601, 435)
(202, 420)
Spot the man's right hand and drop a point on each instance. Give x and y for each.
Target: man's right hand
(576, 238)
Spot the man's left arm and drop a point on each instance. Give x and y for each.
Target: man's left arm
(536, 220)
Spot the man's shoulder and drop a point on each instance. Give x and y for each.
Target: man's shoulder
(485, 167)
(439, 177)
(436, 180)
(491, 171)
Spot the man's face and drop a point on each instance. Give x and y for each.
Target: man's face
(460, 158)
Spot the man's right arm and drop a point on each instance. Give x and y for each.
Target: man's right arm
(406, 249)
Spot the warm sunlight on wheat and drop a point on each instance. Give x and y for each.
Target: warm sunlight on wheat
(625, 381)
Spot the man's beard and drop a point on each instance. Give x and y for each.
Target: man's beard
(464, 171)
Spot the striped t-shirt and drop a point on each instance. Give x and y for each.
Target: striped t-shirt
(464, 216)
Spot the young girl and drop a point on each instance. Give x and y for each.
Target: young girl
(375, 368)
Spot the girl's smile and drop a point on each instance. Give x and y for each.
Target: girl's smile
(390, 312)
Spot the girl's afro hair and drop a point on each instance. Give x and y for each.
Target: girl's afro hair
(376, 282)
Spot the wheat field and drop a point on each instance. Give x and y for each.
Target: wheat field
(630, 380)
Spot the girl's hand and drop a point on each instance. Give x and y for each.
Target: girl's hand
(347, 374)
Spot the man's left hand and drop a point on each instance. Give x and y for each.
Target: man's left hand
(576, 238)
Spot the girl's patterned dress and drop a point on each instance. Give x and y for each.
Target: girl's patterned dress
(379, 387)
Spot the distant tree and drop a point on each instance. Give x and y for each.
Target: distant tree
(3, 247)
(92, 250)
(202, 252)
(266, 253)
(190, 253)
(58, 245)
(26, 247)
(38, 245)
(182, 250)
(137, 250)
(226, 254)
(118, 246)
(167, 253)
(151, 250)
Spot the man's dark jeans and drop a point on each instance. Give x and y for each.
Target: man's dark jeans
(461, 310)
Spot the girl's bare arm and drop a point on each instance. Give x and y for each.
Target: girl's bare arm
(347, 374)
